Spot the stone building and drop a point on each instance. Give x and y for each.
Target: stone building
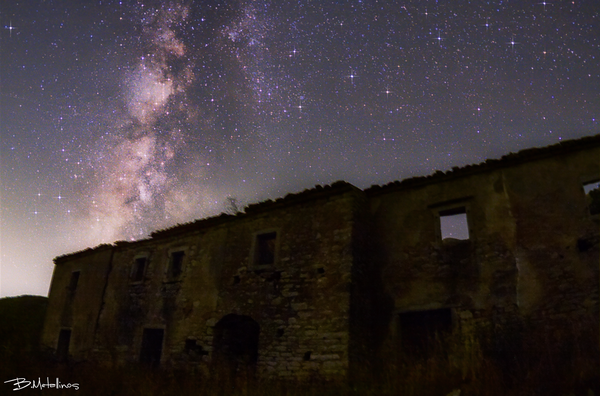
(327, 280)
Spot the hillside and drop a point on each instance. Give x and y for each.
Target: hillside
(21, 322)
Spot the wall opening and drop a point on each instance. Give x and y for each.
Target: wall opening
(592, 194)
(175, 264)
(454, 223)
(194, 351)
(62, 348)
(265, 248)
(235, 347)
(152, 340)
(422, 333)
(74, 281)
(139, 268)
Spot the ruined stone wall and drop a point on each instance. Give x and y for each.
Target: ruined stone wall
(557, 249)
(422, 272)
(300, 301)
(530, 263)
(74, 305)
(331, 281)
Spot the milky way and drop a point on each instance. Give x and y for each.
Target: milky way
(120, 118)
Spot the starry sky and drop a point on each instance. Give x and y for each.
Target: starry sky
(122, 117)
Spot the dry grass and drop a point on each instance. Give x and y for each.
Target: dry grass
(566, 363)
(467, 369)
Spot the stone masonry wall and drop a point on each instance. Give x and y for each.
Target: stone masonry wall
(324, 283)
(422, 272)
(75, 307)
(530, 264)
(557, 249)
(300, 302)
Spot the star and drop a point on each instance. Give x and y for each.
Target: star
(387, 91)
(352, 76)
(487, 24)
(10, 28)
(512, 43)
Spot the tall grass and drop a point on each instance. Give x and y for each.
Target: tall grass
(561, 360)
(455, 367)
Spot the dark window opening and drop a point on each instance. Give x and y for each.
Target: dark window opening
(422, 333)
(193, 349)
(584, 244)
(236, 346)
(274, 277)
(176, 264)
(62, 349)
(139, 266)
(454, 224)
(265, 252)
(190, 345)
(151, 351)
(306, 356)
(74, 281)
(592, 193)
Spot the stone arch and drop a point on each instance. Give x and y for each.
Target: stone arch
(235, 348)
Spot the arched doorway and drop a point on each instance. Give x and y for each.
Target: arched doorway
(235, 350)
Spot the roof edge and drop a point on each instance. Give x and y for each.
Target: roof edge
(338, 187)
(508, 160)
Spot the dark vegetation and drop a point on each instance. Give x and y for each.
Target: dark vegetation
(21, 322)
(571, 369)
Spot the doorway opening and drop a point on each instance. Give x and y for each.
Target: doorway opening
(151, 351)
(235, 348)
(62, 349)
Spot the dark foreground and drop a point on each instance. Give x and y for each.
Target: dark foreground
(25, 369)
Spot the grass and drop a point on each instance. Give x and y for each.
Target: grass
(21, 323)
(472, 373)
(542, 365)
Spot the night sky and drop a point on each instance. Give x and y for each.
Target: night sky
(120, 118)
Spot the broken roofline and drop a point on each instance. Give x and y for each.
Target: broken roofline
(336, 188)
(341, 187)
(511, 159)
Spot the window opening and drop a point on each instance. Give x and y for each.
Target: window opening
(193, 349)
(152, 340)
(176, 264)
(592, 193)
(265, 252)
(139, 266)
(74, 281)
(190, 345)
(62, 349)
(422, 332)
(454, 224)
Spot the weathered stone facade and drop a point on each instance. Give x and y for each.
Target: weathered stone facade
(323, 282)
